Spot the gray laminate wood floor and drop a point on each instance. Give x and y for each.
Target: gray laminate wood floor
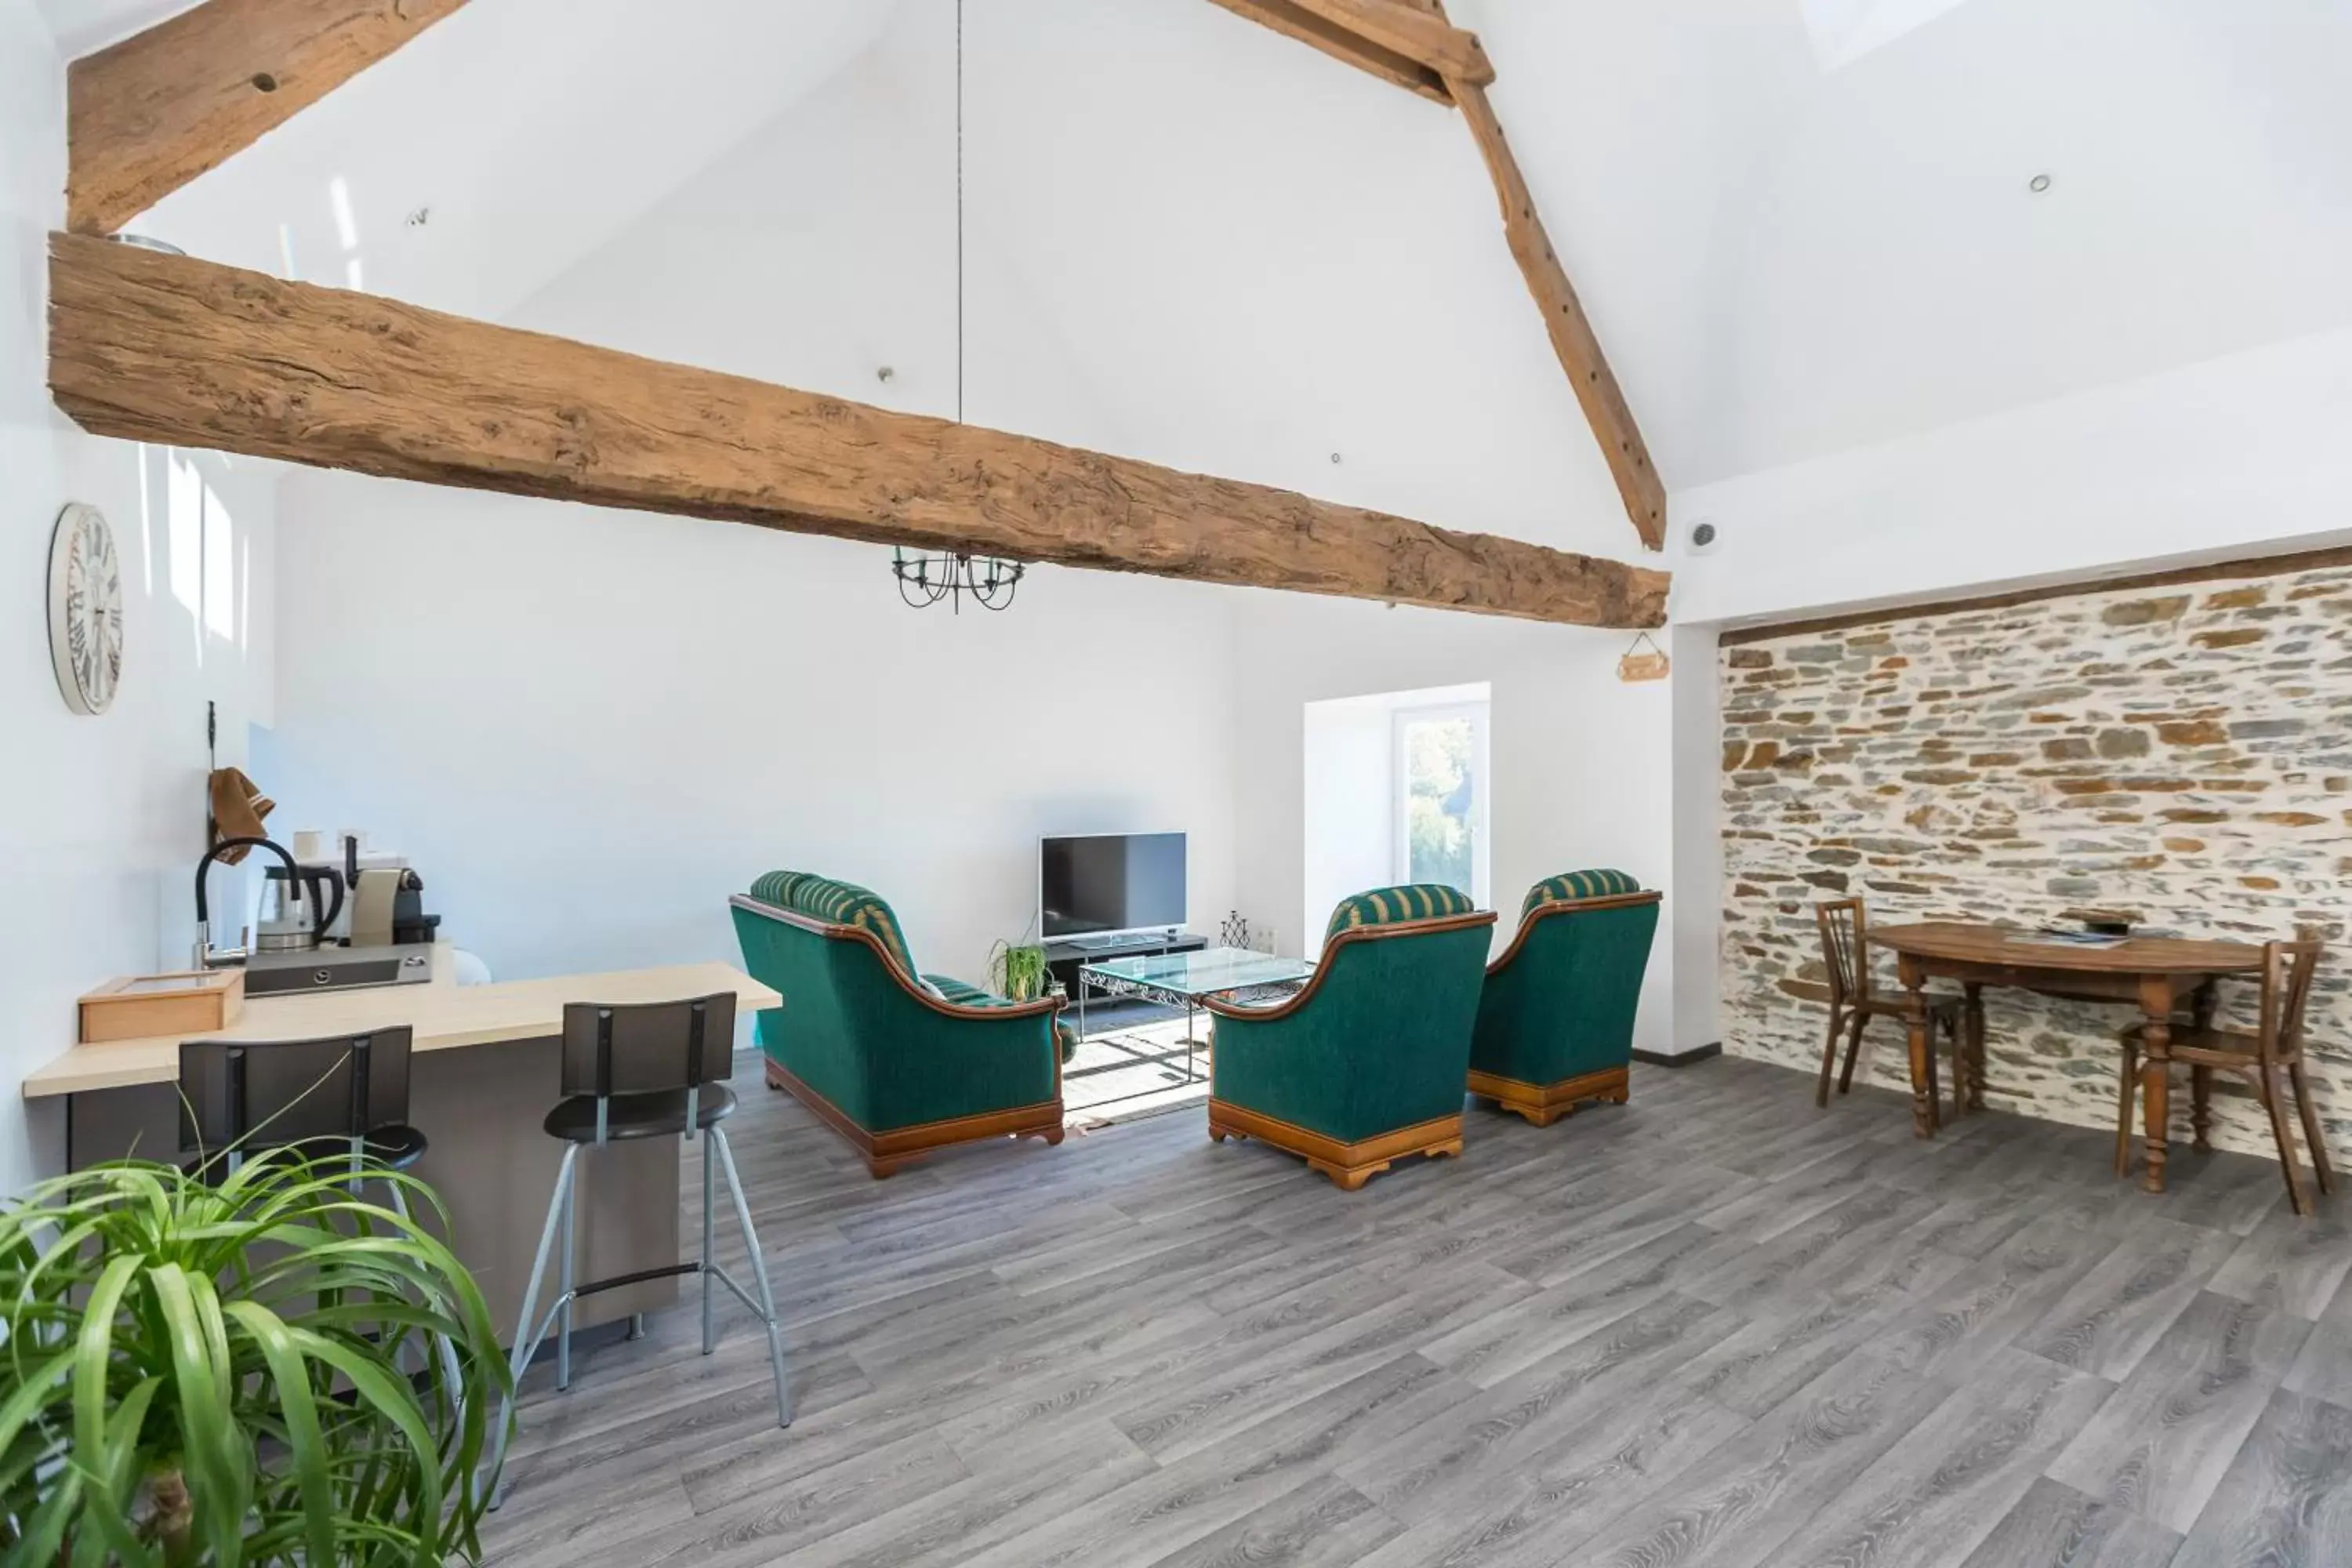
(1714, 1327)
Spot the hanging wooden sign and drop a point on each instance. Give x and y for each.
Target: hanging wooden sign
(1639, 665)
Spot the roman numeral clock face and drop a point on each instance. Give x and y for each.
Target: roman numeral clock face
(85, 609)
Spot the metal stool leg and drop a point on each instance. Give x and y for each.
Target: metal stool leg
(709, 1324)
(526, 1340)
(759, 1273)
(564, 1301)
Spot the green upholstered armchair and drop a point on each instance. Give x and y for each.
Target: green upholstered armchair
(896, 1061)
(1366, 1064)
(1555, 1020)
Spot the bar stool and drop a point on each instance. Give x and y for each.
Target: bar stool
(640, 1071)
(338, 1096)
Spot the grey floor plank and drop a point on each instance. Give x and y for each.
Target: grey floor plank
(1930, 1500)
(1011, 1490)
(2324, 1369)
(1736, 1506)
(1514, 1424)
(2108, 1320)
(2054, 1526)
(1509, 1339)
(2161, 1445)
(1578, 1344)
(2287, 1500)
(1324, 1524)
(2294, 1264)
(1982, 1309)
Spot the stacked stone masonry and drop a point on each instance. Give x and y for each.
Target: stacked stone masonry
(2182, 756)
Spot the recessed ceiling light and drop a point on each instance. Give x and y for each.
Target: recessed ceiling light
(1335, 456)
(2039, 183)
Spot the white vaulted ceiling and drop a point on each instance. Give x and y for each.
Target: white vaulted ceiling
(1799, 226)
(530, 131)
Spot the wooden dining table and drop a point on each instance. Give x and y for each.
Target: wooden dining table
(2154, 974)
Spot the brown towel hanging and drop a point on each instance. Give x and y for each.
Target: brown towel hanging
(238, 807)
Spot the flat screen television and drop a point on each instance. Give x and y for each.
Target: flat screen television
(1105, 883)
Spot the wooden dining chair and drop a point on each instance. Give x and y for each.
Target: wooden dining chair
(2271, 1060)
(1845, 956)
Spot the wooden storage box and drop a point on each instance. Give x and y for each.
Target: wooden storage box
(191, 1003)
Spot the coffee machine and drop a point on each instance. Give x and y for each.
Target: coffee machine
(313, 934)
(387, 898)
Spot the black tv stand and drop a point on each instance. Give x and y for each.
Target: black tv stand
(1064, 957)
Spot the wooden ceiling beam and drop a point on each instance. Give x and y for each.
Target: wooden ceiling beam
(151, 347)
(1423, 37)
(1381, 24)
(155, 111)
(1573, 340)
(1292, 19)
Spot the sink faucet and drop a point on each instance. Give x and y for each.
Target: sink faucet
(205, 956)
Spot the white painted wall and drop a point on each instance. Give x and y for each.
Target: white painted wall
(1347, 810)
(588, 727)
(1693, 919)
(2231, 457)
(1579, 757)
(100, 819)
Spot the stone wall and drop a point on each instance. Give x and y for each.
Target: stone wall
(2183, 754)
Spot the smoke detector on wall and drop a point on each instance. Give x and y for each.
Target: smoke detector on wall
(1701, 537)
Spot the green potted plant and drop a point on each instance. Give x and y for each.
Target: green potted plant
(211, 1372)
(1018, 973)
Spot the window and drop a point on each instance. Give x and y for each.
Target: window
(1440, 796)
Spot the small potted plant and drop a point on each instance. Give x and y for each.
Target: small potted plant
(215, 1369)
(1018, 973)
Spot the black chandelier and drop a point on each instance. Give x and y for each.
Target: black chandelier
(925, 580)
(989, 581)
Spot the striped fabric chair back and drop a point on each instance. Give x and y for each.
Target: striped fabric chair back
(1393, 906)
(838, 903)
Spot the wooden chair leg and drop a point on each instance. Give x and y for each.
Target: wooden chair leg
(2271, 1091)
(2201, 1108)
(2123, 1107)
(2311, 1133)
(1963, 1070)
(1852, 1049)
(1829, 1058)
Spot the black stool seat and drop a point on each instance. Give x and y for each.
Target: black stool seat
(661, 1114)
(394, 1148)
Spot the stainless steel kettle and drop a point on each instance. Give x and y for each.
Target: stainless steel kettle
(295, 911)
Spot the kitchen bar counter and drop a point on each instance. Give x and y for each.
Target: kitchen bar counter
(483, 1076)
(446, 1016)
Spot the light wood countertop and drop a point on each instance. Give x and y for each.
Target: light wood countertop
(445, 1016)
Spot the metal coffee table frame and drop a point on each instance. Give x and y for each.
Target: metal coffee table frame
(1180, 980)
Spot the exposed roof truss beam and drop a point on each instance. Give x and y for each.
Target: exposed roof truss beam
(1404, 36)
(150, 113)
(151, 347)
(1293, 19)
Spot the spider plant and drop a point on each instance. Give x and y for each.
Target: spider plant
(1018, 972)
(210, 1372)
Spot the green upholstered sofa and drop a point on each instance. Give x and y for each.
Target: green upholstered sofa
(1555, 1020)
(1366, 1064)
(896, 1061)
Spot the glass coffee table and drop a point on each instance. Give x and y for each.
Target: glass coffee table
(1182, 979)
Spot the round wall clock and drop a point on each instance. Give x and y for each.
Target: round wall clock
(85, 609)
